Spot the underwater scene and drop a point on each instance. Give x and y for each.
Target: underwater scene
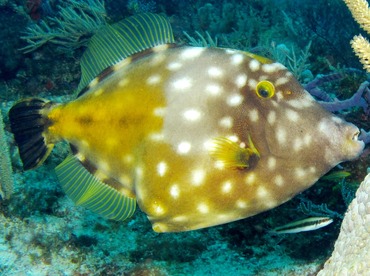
(184, 137)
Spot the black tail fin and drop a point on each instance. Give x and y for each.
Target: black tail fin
(28, 124)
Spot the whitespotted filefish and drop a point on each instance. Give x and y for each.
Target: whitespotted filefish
(195, 136)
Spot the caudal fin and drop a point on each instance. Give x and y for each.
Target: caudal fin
(28, 123)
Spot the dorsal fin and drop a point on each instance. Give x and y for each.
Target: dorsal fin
(122, 39)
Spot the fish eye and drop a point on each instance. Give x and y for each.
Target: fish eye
(265, 89)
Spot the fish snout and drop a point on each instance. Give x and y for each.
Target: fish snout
(352, 146)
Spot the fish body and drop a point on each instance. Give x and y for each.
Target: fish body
(197, 136)
(303, 225)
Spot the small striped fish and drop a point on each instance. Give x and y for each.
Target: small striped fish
(308, 224)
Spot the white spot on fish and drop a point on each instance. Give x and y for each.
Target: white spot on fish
(160, 48)
(80, 156)
(241, 204)
(262, 192)
(297, 144)
(158, 209)
(278, 180)
(84, 144)
(159, 227)
(226, 187)
(123, 82)
(250, 178)
(226, 122)
(234, 100)
(237, 59)
(281, 81)
(154, 79)
(180, 218)
(230, 51)
(162, 168)
(241, 80)
(94, 82)
(323, 127)
(307, 139)
(337, 120)
(271, 117)
(274, 103)
(100, 174)
(213, 89)
(287, 74)
(159, 111)
(197, 177)
(271, 163)
(175, 191)
(269, 68)
(301, 103)
(233, 138)
(125, 179)
(253, 115)
(252, 83)
(215, 72)
(128, 159)
(254, 65)
(292, 115)
(182, 84)
(104, 166)
(262, 77)
(122, 63)
(173, 66)
(98, 92)
(219, 165)
(279, 95)
(203, 208)
(157, 59)
(184, 147)
(139, 172)
(280, 135)
(300, 173)
(156, 136)
(191, 53)
(192, 115)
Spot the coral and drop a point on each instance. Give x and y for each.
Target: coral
(361, 98)
(6, 179)
(310, 209)
(70, 29)
(361, 46)
(352, 249)
(297, 64)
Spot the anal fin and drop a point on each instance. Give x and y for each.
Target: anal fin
(87, 190)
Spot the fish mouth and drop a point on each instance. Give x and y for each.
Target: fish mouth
(354, 145)
(355, 136)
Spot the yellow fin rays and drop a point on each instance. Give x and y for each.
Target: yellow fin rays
(88, 191)
(233, 154)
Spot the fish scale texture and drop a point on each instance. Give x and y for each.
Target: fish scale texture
(351, 255)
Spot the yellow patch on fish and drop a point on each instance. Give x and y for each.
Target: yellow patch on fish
(195, 136)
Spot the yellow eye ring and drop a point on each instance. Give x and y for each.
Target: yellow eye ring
(265, 89)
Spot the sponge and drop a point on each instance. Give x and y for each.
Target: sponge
(351, 255)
